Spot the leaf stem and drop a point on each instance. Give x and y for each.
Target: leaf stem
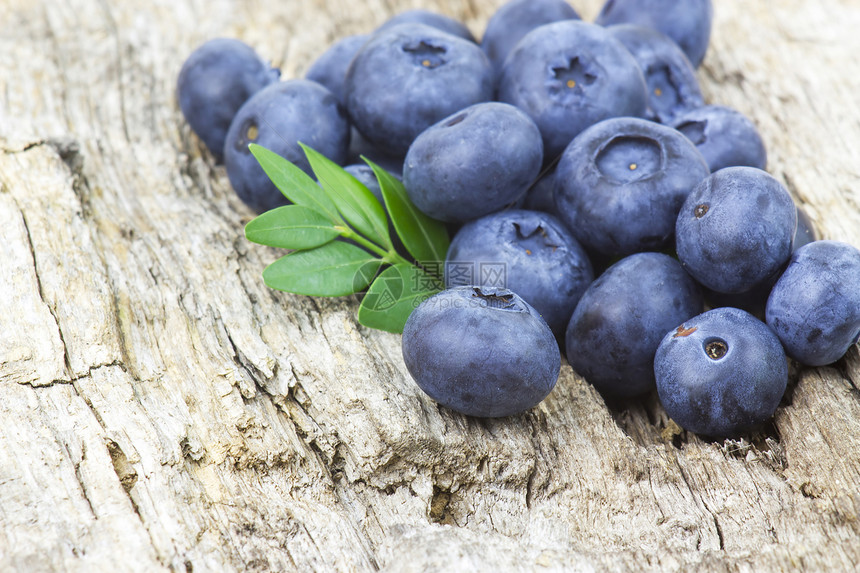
(394, 258)
(391, 256)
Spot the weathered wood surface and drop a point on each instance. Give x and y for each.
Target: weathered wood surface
(162, 409)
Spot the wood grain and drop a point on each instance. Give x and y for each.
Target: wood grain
(163, 410)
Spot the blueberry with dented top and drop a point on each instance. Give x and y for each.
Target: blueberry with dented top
(532, 253)
(481, 351)
(721, 373)
(214, 82)
(687, 22)
(735, 229)
(569, 75)
(814, 307)
(724, 136)
(410, 76)
(672, 84)
(515, 19)
(621, 318)
(621, 182)
(278, 118)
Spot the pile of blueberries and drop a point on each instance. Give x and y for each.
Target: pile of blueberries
(598, 203)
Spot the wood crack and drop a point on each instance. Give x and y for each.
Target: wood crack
(82, 486)
(51, 310)
(701, 503)
(124, 470)
(258, 378)
(24, 147)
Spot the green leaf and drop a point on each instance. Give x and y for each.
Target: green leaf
(395, 293)
(295, 184)
(426, 239)
(334, 269)
(354, 201)
(291, 227)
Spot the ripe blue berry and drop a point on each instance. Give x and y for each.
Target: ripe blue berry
(481, 351)
(533, 253)
(410, 76)
(687, 22)
(672, 84)
(473, 162)
(805, 233)
(735, 229)
(721, 373)
(278, 117)
(814, 307)
(432, 19)
(329, 69)
(621, 318)
(215, 80)
(541, 195)
(621, 182)
(724, 136)
(569, 75)
(515, 19)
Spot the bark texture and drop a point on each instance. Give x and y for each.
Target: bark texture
(162, 409)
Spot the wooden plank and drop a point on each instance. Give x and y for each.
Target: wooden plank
(163, 409)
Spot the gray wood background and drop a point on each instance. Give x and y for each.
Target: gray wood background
(161, 409)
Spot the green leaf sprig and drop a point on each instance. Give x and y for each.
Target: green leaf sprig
(338, 235)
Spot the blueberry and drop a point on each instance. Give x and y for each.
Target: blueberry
(541, 195)
(687, 22)
(569, 75)
(481, 351)
(360, 148)
(515, 19)
(672, 84)
(721, 373)
(805, 233)
(473, 162)
(621, 318)
(214, 82)
(621, 182)
(277, 118)
(410, 76)
(814, 307)
(432, 19)
(531, 253)
(329, 69)
(365, 175)
(753, 301)
(735, 229)
(725, 136)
